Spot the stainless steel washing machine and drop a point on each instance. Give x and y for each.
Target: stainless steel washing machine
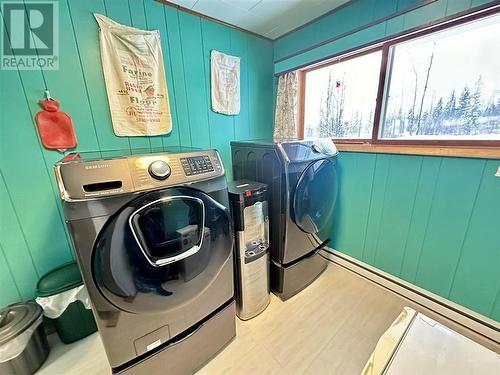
(153, 238)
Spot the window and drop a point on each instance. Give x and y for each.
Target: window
(437, 86)
(445, 85)
(340, 98)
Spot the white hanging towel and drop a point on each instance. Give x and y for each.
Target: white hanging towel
(134, 73)
(225, 83)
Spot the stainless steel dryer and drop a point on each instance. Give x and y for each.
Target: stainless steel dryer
(154, 240)
(302, 180)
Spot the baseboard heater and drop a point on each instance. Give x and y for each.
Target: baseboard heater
(479, 324)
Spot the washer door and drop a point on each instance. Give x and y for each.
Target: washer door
(162, 250)
(169, 229)
(314, 196)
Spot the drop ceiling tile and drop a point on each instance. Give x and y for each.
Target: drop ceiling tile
(222, 11)
(185, 3)
(297, 16)
(271, 18)
(245, 5)
(267, 12)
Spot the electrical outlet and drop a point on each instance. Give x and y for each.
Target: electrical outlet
(498, 172)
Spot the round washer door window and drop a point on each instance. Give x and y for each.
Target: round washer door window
(162, 250)
(314, 196)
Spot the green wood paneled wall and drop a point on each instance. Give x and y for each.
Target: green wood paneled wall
(428, 220)
(432, 221)
(33, 238)
(287, 50)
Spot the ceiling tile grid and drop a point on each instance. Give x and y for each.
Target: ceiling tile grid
(269, 18)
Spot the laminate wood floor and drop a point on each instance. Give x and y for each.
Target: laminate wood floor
(329, 328)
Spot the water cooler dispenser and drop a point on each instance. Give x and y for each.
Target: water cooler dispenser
(251, 221)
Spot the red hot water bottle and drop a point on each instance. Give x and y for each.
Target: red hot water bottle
(55, 127)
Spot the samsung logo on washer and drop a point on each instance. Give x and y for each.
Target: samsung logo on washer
(97, 166)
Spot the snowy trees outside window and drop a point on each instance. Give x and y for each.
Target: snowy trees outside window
(340, 98)
(444, 85)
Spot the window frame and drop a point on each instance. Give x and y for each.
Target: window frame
(376, 144)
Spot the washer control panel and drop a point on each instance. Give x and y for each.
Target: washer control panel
(196, 165)
(80, 178)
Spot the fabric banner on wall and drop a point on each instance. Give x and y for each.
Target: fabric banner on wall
(132, 62)
(285, 118)
(225, 83)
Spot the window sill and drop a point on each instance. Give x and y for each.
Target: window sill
(452, 151)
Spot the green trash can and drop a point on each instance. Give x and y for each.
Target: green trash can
(55, 289)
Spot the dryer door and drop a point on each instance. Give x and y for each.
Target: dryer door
(314, 196)
(163, 250)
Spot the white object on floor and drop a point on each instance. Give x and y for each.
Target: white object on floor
(225, 83)
(417, 344)
(55, 305)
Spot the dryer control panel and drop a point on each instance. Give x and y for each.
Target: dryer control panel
(79, 178)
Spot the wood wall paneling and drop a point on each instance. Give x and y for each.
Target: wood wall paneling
(495, 313)
(476, 280)
(356, 174)
(194, 74)
(260, 88)
(456, 6)
(86, 34)
(15, 257)
(454, 196)
(20, 150)
(432, 11)
(239, 47)
(33, 236)
(430, 220)
(419, 217)
(395, 219)
(11, 292)
(378, 190)
(217, 37)
(157, 21)
(178, 88)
